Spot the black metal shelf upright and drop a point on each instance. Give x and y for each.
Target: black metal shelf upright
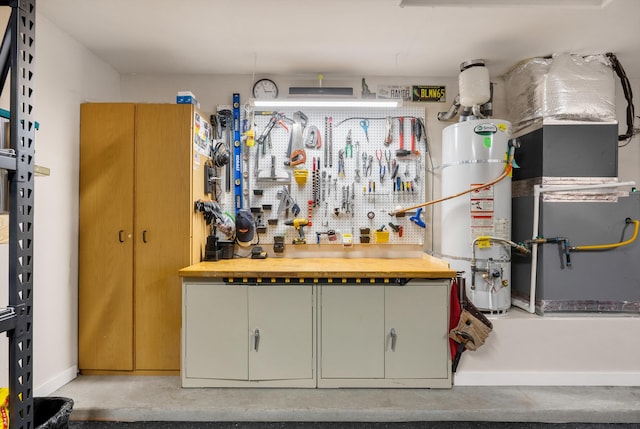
(17, 60)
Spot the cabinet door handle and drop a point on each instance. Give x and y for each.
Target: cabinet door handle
(256, 339)
(394, 336)
(120, 236)
(144, 236)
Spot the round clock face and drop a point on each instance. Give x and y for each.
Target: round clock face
(265, 89)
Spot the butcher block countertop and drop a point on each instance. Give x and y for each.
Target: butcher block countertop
(426, 267)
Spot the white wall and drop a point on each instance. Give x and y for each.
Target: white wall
(65, 75)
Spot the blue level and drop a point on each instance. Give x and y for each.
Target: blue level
(237, 154)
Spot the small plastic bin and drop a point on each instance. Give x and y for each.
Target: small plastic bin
(382, 236)
(52, 412)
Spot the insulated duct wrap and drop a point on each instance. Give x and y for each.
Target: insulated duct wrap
(562, 87)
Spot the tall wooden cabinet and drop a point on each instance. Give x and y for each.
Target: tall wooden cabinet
(139, 178)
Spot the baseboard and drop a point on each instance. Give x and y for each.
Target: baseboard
(534, 378)
(56, 382)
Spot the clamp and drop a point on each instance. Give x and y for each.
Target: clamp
(417, 219)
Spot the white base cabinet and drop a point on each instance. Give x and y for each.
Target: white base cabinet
(265, 336)
(239, 335)
(384, 336)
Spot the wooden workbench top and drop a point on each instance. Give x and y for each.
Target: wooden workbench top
(427, 267)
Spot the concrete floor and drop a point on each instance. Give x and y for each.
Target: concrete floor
(152, 398)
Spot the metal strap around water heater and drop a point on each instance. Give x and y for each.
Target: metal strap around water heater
(464, 258)
(469, 162)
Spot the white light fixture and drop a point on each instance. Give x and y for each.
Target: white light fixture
(361, 103)
(506, 3)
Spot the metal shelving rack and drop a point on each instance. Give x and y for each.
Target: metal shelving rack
(17, 55)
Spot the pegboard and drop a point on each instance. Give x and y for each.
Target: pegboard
(341, 190)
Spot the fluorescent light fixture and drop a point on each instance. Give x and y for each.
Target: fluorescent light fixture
(506, 3)
(362, 103)
(314, 91)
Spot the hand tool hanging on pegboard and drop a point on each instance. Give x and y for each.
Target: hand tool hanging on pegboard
(224, 119)
(357, 168)
(328, 124)
(264, 140)
(326, 142)
(237, 154)
(401, 152)
(296, 153)
(316, 182)
(388, 135)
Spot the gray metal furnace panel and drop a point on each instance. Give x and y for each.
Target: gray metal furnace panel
(602, 280)
(572, 150)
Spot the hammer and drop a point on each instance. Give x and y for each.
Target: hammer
(402, 152)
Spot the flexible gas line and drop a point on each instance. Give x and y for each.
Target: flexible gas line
(538, 190)
(505, 173)
(611, 245)
(484, 241)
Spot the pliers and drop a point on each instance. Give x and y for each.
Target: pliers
(383, 168)
(366, 161)
(348, 146)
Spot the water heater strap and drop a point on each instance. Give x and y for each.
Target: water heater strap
(462, 258)
(470, 162)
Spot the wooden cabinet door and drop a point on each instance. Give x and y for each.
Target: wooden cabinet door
(163, 212)
(417, 317)
(215, 329)
(352, 326)
(280, 332)
(105, 319)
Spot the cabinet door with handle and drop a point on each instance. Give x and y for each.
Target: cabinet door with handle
(416, 325)
(280, 332)
(215, 322)
(163, 210)
(352, 323)
(105, 307)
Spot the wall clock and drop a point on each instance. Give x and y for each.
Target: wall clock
(265, 89)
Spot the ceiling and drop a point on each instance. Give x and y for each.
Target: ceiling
(338, 37)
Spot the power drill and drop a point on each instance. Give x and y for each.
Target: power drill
(299, 224)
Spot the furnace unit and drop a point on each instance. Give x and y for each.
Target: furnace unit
(584, 156)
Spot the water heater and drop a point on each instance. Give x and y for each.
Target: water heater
(475, 152)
